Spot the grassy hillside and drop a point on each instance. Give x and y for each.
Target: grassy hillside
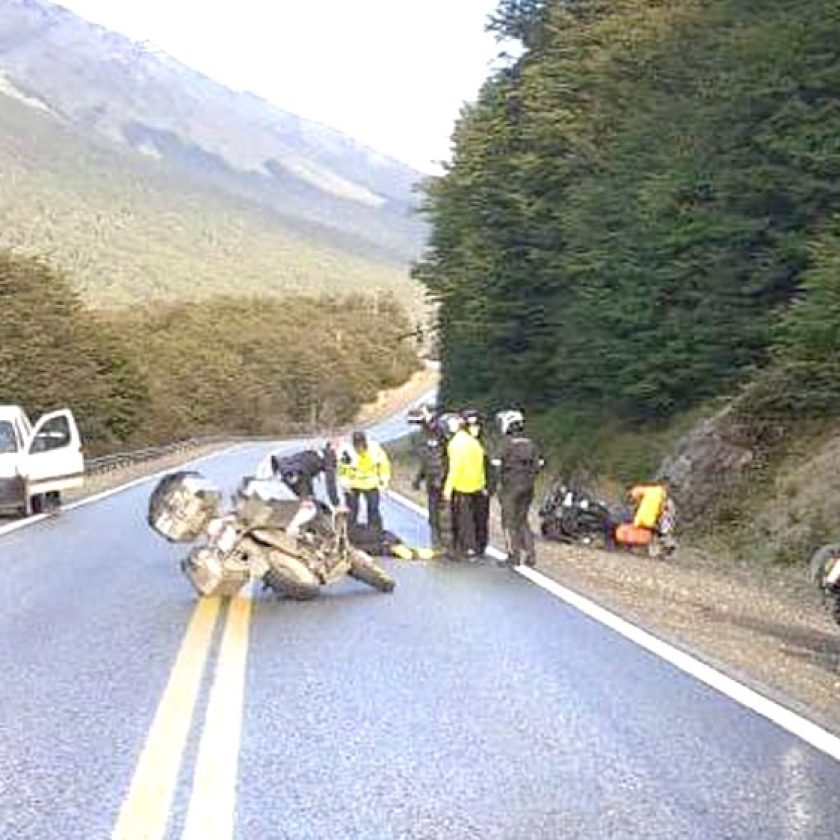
(218, 366)
(128, 231)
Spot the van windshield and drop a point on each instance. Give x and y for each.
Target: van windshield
(8, 441)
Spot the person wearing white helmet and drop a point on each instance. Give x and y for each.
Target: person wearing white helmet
(465, 483)
(518, 464)
(474, 424)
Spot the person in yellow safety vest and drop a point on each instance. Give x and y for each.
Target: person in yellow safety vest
(465, 487)
(364, 469)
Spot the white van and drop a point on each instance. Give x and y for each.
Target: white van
(37, 463)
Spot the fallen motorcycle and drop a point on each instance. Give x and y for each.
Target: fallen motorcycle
(825, 572)
(294, 547)
(572, 514)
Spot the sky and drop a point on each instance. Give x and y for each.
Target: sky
(391, 73)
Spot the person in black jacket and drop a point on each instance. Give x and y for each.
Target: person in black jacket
(432, 473)
(518, 464)
(299, 470)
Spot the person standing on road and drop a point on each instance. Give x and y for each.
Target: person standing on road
(364, 470)
(474, 424)
(518, 464)
(432, 473)
(465, 483)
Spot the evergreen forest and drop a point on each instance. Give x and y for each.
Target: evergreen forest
(642, 214)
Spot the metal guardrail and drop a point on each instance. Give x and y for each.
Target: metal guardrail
(121, 460)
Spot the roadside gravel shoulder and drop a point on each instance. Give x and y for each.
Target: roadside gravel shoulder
(762, 624)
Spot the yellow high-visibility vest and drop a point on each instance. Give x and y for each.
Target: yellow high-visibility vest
(466, 465)
(366, 470)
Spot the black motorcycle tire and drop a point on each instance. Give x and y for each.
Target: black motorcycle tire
(835, 611)
(291, 578)
(365, 570)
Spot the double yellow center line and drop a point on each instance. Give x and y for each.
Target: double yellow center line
(146, 810)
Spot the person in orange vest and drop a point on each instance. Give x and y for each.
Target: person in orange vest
(649, 500)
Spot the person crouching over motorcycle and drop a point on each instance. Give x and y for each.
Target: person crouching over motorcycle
(299, 470)
(364, 470)
(465, 483)
(518, 464)
(432, 473)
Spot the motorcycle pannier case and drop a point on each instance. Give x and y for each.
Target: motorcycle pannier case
(181, 506)
(212, 573)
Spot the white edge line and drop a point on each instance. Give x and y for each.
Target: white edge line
(112, 491)
(788, 720)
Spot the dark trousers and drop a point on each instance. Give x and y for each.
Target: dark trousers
(463, 522)
(515, 502)
(482, 521)
(434, 499)
(374, 518)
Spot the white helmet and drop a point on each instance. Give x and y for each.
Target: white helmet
(510, 422)
(451, 424)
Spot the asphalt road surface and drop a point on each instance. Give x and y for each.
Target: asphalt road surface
(470, 703)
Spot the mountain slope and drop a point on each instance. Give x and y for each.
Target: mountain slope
(109, 148)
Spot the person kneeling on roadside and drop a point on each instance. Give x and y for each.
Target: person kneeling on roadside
(466, 484)
(364, 471)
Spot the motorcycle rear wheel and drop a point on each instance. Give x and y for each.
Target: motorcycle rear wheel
(291, 578)
(364, 569)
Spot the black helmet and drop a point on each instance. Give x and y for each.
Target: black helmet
(473, 421)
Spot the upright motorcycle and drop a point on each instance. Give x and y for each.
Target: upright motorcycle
(294, 547)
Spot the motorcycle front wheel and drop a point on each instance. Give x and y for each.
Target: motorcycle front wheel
(290, 578)
(364, 569)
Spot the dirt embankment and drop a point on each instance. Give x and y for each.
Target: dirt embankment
(764, 624)
(388, 403)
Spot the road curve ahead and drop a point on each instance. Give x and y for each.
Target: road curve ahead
(468, 704)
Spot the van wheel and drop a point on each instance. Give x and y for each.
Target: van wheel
(37, 504)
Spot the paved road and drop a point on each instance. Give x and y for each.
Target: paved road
(468, 704)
